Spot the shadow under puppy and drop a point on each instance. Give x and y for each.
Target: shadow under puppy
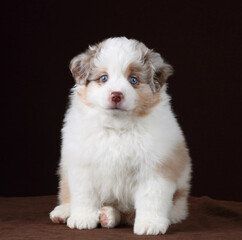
(124, 158)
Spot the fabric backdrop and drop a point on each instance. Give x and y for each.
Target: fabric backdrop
(200, 39)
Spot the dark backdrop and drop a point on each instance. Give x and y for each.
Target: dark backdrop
(201, 39)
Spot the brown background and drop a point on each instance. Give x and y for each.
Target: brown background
(201, 39)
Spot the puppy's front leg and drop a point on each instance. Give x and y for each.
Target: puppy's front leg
(84, 205)
(153, 202)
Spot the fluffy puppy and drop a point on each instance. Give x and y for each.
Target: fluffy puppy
(124, 159)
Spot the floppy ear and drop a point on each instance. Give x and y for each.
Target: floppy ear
(161, 71)
(80, 65)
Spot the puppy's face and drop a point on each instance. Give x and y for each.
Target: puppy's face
(120, 76)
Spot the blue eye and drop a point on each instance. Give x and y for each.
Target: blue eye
(133, 80)
(104, 78)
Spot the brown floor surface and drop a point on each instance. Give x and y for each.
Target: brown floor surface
(27, 218)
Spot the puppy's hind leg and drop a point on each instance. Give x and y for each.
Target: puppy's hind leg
(109, 217)
(179, 210)
(61, 213)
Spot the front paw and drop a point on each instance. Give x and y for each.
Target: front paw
(151, 226)
(83, 221)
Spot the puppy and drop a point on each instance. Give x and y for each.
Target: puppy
(124, 158)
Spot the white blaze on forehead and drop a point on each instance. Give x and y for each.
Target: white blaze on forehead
(116, 54)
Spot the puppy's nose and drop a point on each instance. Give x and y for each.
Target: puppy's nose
(117, 97)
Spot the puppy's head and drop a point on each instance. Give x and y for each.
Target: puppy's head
(120, 75)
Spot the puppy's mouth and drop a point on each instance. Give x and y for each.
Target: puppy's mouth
(116, 108)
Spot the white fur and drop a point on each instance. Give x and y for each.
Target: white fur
(109, 156)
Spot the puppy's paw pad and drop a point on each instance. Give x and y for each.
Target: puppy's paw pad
(151, 227)
(109, 217)
(82, 222)
(60, 214)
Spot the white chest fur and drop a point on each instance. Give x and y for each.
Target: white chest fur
(113, 153)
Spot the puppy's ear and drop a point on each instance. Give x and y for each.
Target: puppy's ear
(80, 65)
(161, 71)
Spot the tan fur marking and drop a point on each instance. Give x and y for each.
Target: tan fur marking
(180, 193)
(96, 73)
(141, 72)
(146, 100)
(64, 193)
(83, 96)
(127, 218)
(174, 165)
(132, 68)
(166, 71)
